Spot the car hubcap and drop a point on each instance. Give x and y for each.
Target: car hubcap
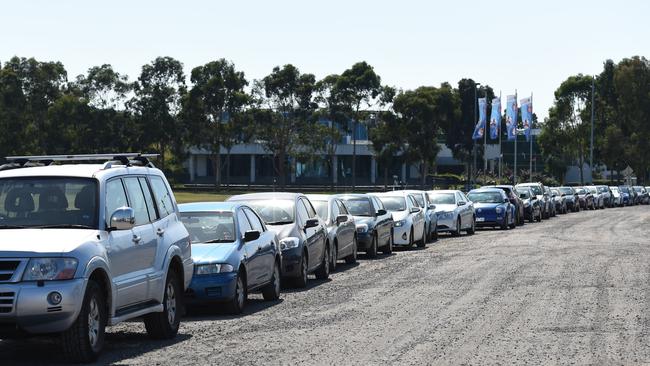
(93, 322)
(171, 303)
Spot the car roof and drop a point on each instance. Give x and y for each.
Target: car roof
(209, 206)
(487, 189)
(98, 171)
(265, 196)
(443, 191)
(392, 194)
(320, 197)
(351, 195)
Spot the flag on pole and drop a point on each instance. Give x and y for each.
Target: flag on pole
(511, 117)
(527, 116)
(495, 119)
(479, 130)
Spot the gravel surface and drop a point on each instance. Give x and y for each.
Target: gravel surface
(573, 289)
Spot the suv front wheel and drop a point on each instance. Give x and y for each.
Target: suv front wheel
(84, 341)
(164, 325)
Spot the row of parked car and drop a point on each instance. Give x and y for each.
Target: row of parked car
(88, 241)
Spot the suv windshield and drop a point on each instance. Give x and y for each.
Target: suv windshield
(485, 197)
(358, 206)
(52, 202)
(209, 227)
(274, 212)
(394, 203)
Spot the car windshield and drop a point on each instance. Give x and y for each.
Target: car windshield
(592, 189)
(581, 191)
(321, 208)
(536, 190)
(555, 192)
(442, 198)
(566, 190)
(274, 212)
(524, 193)
(485, 197)
(638, 189)
(625, 190)
(614, 189)
(209, 227)
(394, 203)
(602, 189)
(48, 202)
(358, 206)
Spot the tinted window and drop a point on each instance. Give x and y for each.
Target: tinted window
(255, 222)
(151, 206)
(136, 200)
(115, 197)
(243, 223)
(302, 212)
(342, 209)
(213, 227)
(162, 196)
(310, 208)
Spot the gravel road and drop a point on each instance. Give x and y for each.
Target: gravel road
(573, 289)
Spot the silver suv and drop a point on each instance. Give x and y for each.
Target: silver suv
(87, 245)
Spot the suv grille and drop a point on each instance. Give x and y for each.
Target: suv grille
(7, 268)
(6, 302)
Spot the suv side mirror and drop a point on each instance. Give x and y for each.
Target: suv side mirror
(341, 219)
(122, 219)
(381, 212)
(311, 223)
(251, 235)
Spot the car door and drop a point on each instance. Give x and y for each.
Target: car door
(348, 229)
(252, 250)
(266, 246)
(314, 241)
(383, 223)
(418, 217)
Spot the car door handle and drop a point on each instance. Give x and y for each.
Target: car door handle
(136, 239)
(160, 231)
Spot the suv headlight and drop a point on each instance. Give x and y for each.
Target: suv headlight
(289, 243)
(212, 268)
(400, 223)
(45, 269)
(362, 228)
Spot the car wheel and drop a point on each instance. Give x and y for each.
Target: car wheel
(352, 258)
(457, 231)
(505, 224)
(472, 229)
(422, 242)
(301, 282)
(335, 256)
(514, 223)
(84, 340)
(388, 248)
(434, 236)
(372, 251)
(272, 291)
(323, 271)
(164, 325)
(539, 217)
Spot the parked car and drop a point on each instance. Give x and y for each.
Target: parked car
(513, 196)
(302, 234)
(586, 198)
(84, 245)
(532, 206)
(544, 199)
(429, 211)
(607, 195)
(341, 229)
(571, 198)
(234, 254)
(408, 227)
(549, 194)
(617, 196)
(373, 222)
(626, 195)
(642, 195)
(493, 208)
(559, 200)
(599, 199)
(454, 212)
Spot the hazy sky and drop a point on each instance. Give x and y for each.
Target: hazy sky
(530, 46)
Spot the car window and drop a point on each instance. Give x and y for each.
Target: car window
(151, 206)
(442, 198)
(162, 196)
(136, 200)
(274, 212)
(342, 209)
(302, 212)
(310, 209)
(335, 210)
(460, 197)
(115, 197)
(418, 198)
(321, 208)
(243, 223)
(255, 222)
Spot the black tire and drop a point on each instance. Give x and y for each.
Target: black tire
(539, 217)
(323, 271)
(372, 251)
(271, 292)
(505, 225)
(422, 242)
(164, 325)
(352, 258)
(335, 256)
(388, 248)
(472, 228)
(514, 224)
(79, 343)
(238, 302)
(457, 231)
(301, 281)
(434, 236)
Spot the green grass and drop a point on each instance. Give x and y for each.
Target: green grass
(186, 197)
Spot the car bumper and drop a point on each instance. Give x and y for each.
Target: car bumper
(215, 287)
(446, 223)
(364, 240)
(25, 307)
(402, 235)
(490, 220)
(291, 262)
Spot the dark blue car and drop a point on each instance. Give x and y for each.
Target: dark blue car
(233, 254)
(493, 208)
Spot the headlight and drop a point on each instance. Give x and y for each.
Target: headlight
(39, 269)
(499, 210)
(212, 268)
(362, 228)
(289, 243)
(400, 223)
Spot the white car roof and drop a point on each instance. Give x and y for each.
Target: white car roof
(78, 170)
(443, 191)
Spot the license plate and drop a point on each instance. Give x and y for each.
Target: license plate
(480, 219)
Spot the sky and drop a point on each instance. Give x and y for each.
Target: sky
(528, 46)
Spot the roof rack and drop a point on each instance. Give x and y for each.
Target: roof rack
(126, 159)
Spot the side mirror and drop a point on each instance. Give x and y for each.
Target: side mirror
(563, 194)
(251, 235)
(341, 219)
(432, 207)
(533, 198)
(122, 219)
(461, 203)
(415, 209)
(311, 223)
(381, 212)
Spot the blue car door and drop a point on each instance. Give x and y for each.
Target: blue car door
(266, 246)
(251, 255)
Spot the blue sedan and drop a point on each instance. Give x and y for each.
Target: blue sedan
(493, 208)
(233, 252)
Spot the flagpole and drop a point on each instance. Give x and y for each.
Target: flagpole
(516, 135)
(485, 130)
(499, 132)
(530, 130)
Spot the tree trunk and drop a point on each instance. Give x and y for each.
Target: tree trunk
(385, 177)
(424, 169)
(162, 156)
(281, 168)
(228, 167)
(217, 165)
(582, 162)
